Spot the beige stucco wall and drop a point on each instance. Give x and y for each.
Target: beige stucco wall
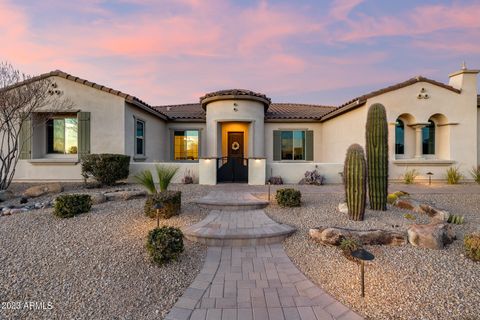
(156, 141)
(248, 111)
(191, 168)
(235, 127)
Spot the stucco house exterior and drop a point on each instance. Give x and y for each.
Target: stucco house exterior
(242, 136)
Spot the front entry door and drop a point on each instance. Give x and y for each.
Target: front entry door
(235, 144)
(234, 167)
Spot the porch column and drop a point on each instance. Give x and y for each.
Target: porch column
(418, 141)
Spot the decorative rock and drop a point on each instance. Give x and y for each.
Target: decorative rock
(432, 236)
(334, 236)
(37, 191)
(405, 204)
(343, 208)
(98, 198)
(6, 195)
(24, 200)
(125, 195)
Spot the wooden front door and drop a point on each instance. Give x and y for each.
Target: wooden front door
(235, 144)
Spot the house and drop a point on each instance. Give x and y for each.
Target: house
(242, 136)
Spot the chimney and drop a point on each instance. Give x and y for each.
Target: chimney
(464, 79)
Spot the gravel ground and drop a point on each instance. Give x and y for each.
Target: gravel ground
(93, 266)
(402, 282)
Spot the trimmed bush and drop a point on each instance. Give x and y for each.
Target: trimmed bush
(106, 168)
(288, 197)
(171, 200)
(69, 205)
(164, 244)
(471, 244)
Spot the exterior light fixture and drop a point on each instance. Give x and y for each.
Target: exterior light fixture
(362, 255)
(158, 206)
(269, 184)
(429, 174)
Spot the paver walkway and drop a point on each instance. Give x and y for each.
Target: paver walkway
(254, 282)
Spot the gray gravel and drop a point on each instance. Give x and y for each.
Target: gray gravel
(402, 282)
(93, 266)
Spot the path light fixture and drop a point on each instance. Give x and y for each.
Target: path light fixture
(158, 206)
(429, 174)
(362, 255)
(269, 184)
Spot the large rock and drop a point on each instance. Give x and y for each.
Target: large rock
(334, 236)
(125, 195)
(432, 236)
(6, 195)
(37, 191)
(98, 198)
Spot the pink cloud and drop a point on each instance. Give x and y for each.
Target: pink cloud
(340, 9)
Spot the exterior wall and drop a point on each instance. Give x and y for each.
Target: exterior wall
(171, 126)
(156, 137)
(223, 111)
(292, 173)
(192, 168)
(235, 127)
(478, 136)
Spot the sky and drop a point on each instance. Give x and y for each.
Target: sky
(304, 51)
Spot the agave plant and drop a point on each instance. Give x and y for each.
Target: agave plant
(165, 175)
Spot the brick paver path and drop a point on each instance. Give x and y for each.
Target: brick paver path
(255, 282)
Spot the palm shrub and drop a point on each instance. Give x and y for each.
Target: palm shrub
(355, 175)
(164, 244)
(376, 132)
(476, 174)
(453, 175)
(171, 200)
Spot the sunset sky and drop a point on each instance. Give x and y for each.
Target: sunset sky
(311, 51)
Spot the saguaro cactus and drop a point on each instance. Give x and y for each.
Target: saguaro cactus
(355, 176)
(377, 156)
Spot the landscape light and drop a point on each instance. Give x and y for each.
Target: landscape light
(429, 174)
(362, 255)
(158, 206)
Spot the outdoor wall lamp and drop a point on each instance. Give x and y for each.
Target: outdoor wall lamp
(362, 255)
(429, 174)
(158, 206)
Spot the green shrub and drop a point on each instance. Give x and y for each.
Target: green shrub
(471, 244)
(409, 216)
(392, 198)
(171, 200)
(106, 168)
(454, 175)
(456, 219)
(476, 174)
(69, 205)
(288, 197)
(164, 244)
(348, 245)
(165, 175)
(409, 176)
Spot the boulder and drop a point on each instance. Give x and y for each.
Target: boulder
(40, 190)
(343, 208)
(125, 195)
(6, 195)
(98, 198)
(334, 236)
(432, 236)
(406, 204)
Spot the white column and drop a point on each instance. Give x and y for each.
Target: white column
(418, 141)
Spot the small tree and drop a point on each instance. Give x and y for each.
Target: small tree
(20, 97)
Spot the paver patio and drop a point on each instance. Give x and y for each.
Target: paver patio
(254, 282)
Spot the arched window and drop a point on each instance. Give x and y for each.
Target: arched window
(399, 137)
(428, 138)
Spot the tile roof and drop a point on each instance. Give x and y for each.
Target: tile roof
(129, 98)
(276, 111)
(358, 101)
(235, 93)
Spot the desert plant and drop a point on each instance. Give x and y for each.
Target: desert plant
(409, 216)
(164, 244)
(392, 198)
(145, 178)
(187, 177)
(165, 175)
(69, 205)
(453, 175)
(288, 197)
(171, 201)
(455, 219)
(401, 193)
(312, 178)
(471, 243)
(275, 180)
(106, 168)
(348, 245)
(476, 174)
(409, 176)
(355, 173)
(377, 156)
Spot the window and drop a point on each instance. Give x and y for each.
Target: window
(185, 145)
(399, 137)
(139, 137)
(293, 145)
(428, 138)
(62, 135)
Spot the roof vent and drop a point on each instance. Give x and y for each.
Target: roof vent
(169, 108)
